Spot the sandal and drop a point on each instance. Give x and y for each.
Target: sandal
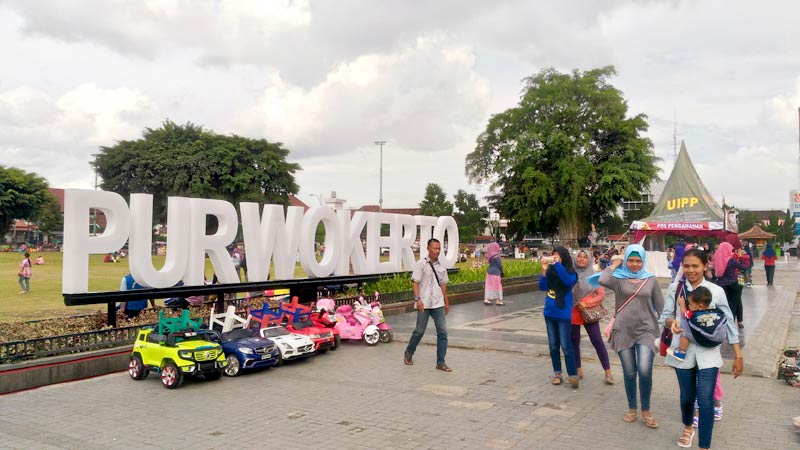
(629, 417)
(499, 303)
(557, 380)
(609, 380)
(487, 302)
(685, 440)
(407, 359)
(444, 368)
(650, 421)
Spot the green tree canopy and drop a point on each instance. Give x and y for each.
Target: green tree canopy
(435, 202)
(566, 154)
(186, 160)
(470, 216)
(747, 219)
(23, 195)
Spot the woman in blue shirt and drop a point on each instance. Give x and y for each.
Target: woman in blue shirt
(558, 278)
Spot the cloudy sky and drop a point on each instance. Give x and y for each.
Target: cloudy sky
(328, 78)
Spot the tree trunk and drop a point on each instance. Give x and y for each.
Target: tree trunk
(570, 231)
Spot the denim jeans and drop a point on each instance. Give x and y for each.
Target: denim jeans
(441, 332)
(559, 335)
(25, 283)
(638, 360)
(698, 383)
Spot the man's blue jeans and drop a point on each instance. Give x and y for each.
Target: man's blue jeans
(638, 360)
(441, 333)
(698, 383)
(559, 336)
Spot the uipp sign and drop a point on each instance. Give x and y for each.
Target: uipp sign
(271, 235)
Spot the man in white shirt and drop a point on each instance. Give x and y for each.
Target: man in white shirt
(430, 296)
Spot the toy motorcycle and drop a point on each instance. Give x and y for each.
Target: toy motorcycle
(358, 324)
(378, 319)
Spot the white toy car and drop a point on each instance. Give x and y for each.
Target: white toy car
(291, 345)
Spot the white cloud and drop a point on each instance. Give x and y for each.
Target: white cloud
(783, 109)
(328, 78)
(421, 98)
(56, 137)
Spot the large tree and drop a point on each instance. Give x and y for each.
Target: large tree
(23, 195)
(470, 216)
(566, 154)
(186, 160)
(435, 202)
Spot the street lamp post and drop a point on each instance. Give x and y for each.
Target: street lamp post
(380, 194)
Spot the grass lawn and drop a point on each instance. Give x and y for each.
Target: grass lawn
(45, 299)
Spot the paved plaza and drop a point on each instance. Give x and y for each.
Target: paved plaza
(498, 397)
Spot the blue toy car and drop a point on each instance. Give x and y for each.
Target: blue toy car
(245, 349)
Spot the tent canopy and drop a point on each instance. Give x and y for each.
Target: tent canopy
(685, 206)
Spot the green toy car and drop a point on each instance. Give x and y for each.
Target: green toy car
(175, 354)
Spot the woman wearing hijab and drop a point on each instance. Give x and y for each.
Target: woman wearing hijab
(677, 260)
(558, 279)
(588, 295)
(635, 329)
(493, 286)
(698, 373)
(769, 256)
(727, 267)
(710, 274)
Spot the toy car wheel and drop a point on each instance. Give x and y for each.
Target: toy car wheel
(372, 338)
(232, 369)
(136, 368)
(213, 375)
(336, 341)
(171, 376)
(279, 358)
(386, 336)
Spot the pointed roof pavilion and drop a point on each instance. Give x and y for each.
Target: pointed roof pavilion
(756, 233)
(685, 207)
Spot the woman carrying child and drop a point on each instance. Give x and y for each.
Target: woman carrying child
(697, 373)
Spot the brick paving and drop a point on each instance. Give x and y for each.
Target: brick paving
(361, 397)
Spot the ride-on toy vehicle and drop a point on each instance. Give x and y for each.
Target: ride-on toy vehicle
(174, 349)
(356, 324)
(291, 345)
(376, 310)
(323, 337)
(323, 317)
(245, 349)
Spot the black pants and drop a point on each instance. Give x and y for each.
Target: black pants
(770, 274)
(734, 293)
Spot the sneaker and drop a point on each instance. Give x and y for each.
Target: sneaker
(695, 422)
(677, 353)
(718, 412)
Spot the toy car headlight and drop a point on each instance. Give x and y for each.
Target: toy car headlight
(186, 354)
(246, 351)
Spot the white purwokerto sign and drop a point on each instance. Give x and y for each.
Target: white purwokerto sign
(272, 237)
